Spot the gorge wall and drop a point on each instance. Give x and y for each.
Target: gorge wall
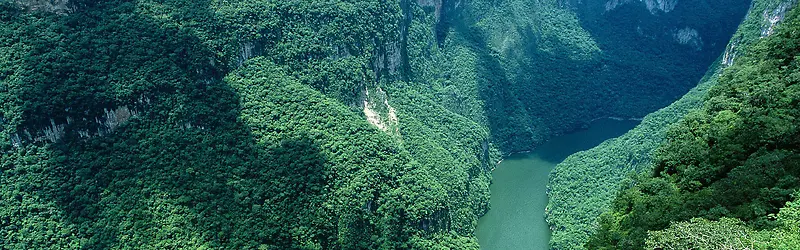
(585, 184)
(307, 124)
(586, 59)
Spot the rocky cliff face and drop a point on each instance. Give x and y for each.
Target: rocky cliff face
(689, 36)
(103, 125)
(773, 16)
(686, 35)
(378, 111)
(435, 4)
(660, 5)
(54, 6)
(684, 23)
(654, 6)
(769, 15)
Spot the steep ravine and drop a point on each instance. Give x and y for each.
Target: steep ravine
(519, 189)
(587, 60)
(582, 186)
(306, 124)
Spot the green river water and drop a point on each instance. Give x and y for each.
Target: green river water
(516, 218)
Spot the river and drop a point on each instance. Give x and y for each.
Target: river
(516, 218)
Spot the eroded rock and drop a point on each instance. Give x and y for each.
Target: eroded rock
(53, 6)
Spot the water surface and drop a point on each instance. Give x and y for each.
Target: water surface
(516, 219)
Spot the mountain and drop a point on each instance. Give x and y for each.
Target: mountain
(334, 124)
(603, 173)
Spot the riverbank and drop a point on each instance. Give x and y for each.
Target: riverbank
(519, 189)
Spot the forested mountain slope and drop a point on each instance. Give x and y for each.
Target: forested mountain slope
(736, 157)
(585, 59)
(335, 124)
(218, 124)
(587, 182)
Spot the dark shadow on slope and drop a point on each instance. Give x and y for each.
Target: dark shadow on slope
(215, 187)
(509, 123)
(185, 171)
(448, 16)
(538, 89)
(555, 151)
(546, 94)
(81, 66)
(652, 57)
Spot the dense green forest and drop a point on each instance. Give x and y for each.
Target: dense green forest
(506, 64)
(736, 157)
(333, 124)
(718, 167)
(585, 184)
(215, 124)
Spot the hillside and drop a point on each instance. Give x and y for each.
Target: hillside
(334, 124)
(733, 161)
(596, 175)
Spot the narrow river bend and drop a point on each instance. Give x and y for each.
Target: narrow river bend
(516, 218)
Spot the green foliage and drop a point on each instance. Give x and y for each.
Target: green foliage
(61, 68)
(531, 56)
(273, 155)
(728, 233)
(735, 157)
(703, 234)
(585, 184)
(787, 233)
(238, 124)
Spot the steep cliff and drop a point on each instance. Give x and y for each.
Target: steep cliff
(586, 59)
(52, 6)
(729, 167)
(584, 185)
(304, 124)
(251, 124)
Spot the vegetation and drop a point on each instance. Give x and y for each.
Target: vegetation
(247, 124)
(584, 185)
(728, 233)
(536, 55)
(736, 157)
(125, 125)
